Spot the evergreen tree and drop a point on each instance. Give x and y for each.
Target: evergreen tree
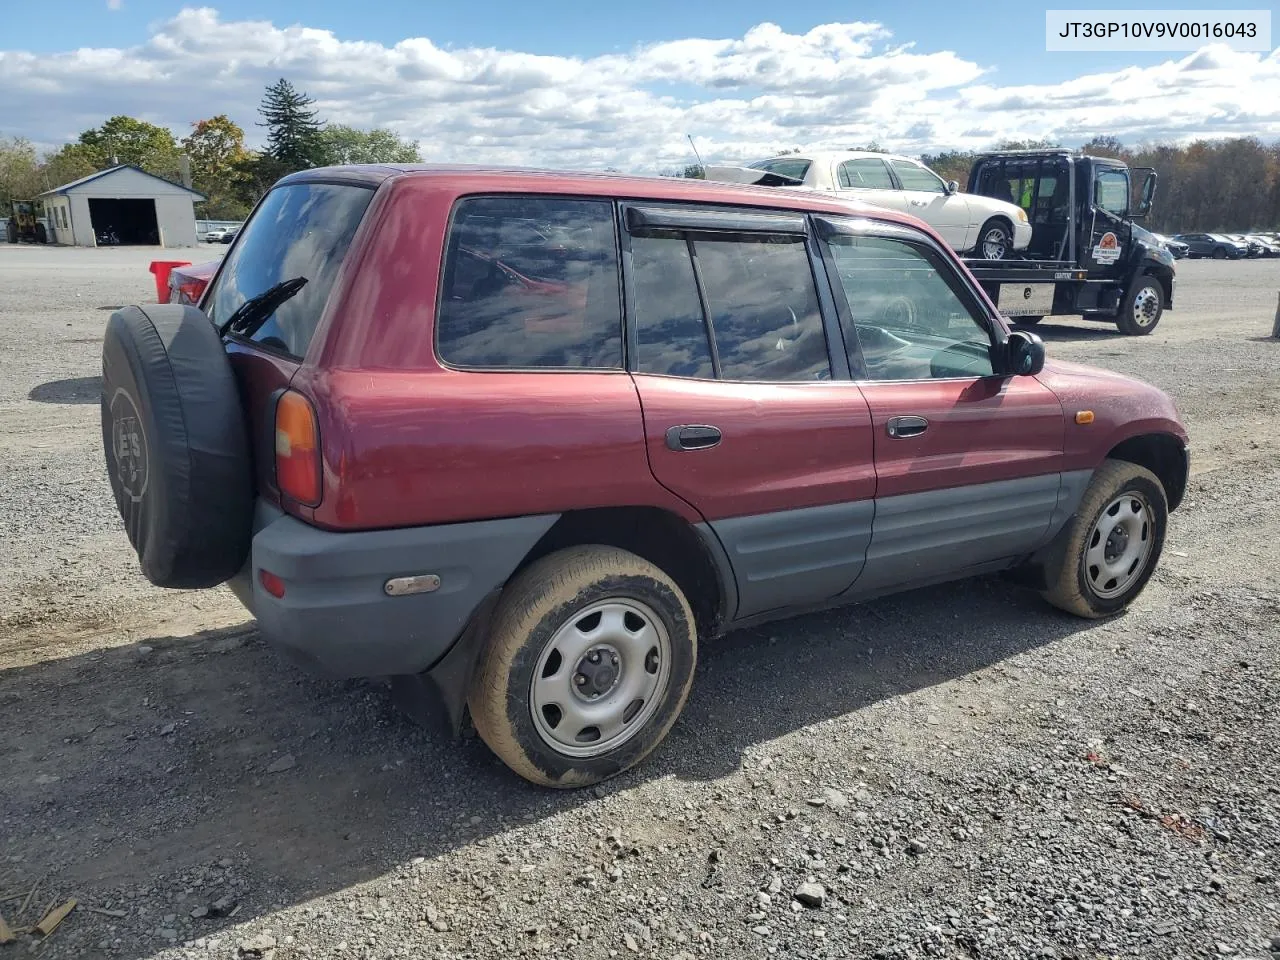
(293, 132)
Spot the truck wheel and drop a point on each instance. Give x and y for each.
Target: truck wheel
(11, 232)
(1027, 321)
(995, 240)
(588, 663)
(1107, 552)
(1142, 308)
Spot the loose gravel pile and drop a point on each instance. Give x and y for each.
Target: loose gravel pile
(957, 772)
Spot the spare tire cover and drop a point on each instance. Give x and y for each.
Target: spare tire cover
(176, 445)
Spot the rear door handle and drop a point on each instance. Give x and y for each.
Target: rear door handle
(692, 436)
(903, 428)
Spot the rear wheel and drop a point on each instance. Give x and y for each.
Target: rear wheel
(995, 240)
(588, 663)
(1107, 552)
(1142, 308)
(1219, 253)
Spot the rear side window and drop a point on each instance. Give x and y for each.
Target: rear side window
(531, 282)
(868, 173)
(300, 230)
(761, 322)
(917, 178)
(784, 167)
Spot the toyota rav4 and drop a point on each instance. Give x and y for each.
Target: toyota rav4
(520, 441)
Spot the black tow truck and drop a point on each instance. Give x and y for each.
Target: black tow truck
(1087, 257)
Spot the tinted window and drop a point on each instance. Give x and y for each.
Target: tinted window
(302, 230)
(909, 319)
(865, 174)
(671, 334)
(762, 301)
(531, 282)
(784, 166)
(917, 178)
(764, 309)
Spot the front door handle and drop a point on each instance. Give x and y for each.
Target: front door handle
(902, 428)
(693, 436)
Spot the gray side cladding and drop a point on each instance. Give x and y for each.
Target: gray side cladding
(796, 557)
(925, 536)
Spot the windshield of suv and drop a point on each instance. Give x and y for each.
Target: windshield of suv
(299, 231)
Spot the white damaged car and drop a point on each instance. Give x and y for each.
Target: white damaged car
(979, 226)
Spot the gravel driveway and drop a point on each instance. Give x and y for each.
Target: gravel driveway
(955, 772)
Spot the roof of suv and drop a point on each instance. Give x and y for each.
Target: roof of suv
(475, 178)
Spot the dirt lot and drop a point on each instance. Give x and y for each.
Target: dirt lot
(966, 772)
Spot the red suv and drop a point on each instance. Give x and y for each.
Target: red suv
(519, 440)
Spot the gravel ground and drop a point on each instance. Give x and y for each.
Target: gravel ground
(958, 772)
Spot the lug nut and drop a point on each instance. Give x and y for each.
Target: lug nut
(579, 679)
(614, 660)
(594, 656)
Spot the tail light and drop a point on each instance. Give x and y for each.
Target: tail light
(297, 449)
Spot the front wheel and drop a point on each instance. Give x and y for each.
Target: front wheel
(1219, 253)
(1142, 308)
(1107, 552)
(995, 240)
(588, 663)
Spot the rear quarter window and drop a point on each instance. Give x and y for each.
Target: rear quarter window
(299, 230)
(529, 283)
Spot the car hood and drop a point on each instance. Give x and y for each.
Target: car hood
(990, 206)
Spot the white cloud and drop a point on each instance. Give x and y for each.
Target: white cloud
(836, 85)
(115, 4)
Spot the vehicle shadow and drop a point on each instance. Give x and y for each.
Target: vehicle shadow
(181, 757)
(1058, 329)
(75, 390)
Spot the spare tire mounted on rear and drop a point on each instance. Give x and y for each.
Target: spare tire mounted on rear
(176, 446)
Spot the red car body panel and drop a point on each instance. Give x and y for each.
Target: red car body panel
(996, 428)
(785, 446)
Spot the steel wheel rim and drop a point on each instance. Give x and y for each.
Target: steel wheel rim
(994, 244)
(1119, 546)
(1146, 307)
(587, 718)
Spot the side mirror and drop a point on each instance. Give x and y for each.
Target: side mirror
(1024, 354)
(952, 188)
(1148, 195)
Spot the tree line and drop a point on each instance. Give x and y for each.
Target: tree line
(221, 167)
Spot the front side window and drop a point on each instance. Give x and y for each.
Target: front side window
(910, 319)
(761, 314)
(300, 230)
(914, 177)
(531, 282)
(868, 173)
(1111, 188)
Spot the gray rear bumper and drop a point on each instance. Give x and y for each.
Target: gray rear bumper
(335, 614)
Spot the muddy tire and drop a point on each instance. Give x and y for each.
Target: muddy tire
(1107, 552)
(588, 663)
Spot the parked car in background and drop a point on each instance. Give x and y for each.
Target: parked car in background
(229, 234)
(1252, 247)
(986, 227)
(1175, 247)
(1270, 246)
(1215, 245)
(484, 478)
(215, 235)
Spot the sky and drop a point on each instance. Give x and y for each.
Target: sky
(569, 83)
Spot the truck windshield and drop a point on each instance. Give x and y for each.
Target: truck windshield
(1111, 192)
